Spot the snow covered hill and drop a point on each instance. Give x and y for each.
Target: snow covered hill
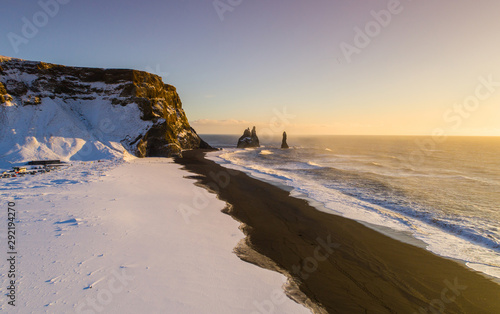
(51, 111)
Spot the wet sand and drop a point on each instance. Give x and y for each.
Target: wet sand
(334, 264)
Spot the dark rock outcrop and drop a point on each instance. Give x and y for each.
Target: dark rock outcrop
(283, 141)
(248, 139)
(167, 130)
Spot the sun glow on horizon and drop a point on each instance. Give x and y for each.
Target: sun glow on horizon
(408, 63)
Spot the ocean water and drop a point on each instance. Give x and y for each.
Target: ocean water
(445, 194)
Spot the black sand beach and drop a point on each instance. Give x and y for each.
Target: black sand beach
(339, 265)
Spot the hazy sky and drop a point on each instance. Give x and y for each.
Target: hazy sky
(318, 66)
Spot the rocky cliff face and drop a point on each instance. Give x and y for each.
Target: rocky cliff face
(49, 110)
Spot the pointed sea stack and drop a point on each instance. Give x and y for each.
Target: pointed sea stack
(283, 142)
(248, 139)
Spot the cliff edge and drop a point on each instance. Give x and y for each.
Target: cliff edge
(74, 113)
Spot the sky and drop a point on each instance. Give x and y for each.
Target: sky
(379, 67)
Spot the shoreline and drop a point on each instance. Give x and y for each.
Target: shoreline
(400, 236)
(335, 264)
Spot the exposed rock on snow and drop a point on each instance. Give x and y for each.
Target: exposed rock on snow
(248, 139)
(50, 111)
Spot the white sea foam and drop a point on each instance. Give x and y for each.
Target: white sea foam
(266, 152)
(464, 240)
(314, 164)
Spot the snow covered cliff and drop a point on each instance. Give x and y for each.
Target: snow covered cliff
(50, 111)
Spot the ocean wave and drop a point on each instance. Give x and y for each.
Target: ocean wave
(476, 179)
(312, 163)
(270, 172)
(266, 152)
(443, 236)
(352, 190)
(297, 165)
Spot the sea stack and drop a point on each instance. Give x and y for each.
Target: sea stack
(248, 139)
(283, 141)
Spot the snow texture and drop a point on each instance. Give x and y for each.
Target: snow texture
(109, 237)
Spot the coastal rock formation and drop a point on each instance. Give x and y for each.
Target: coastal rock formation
(283, 141)
(248, 139)
(72, 113)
